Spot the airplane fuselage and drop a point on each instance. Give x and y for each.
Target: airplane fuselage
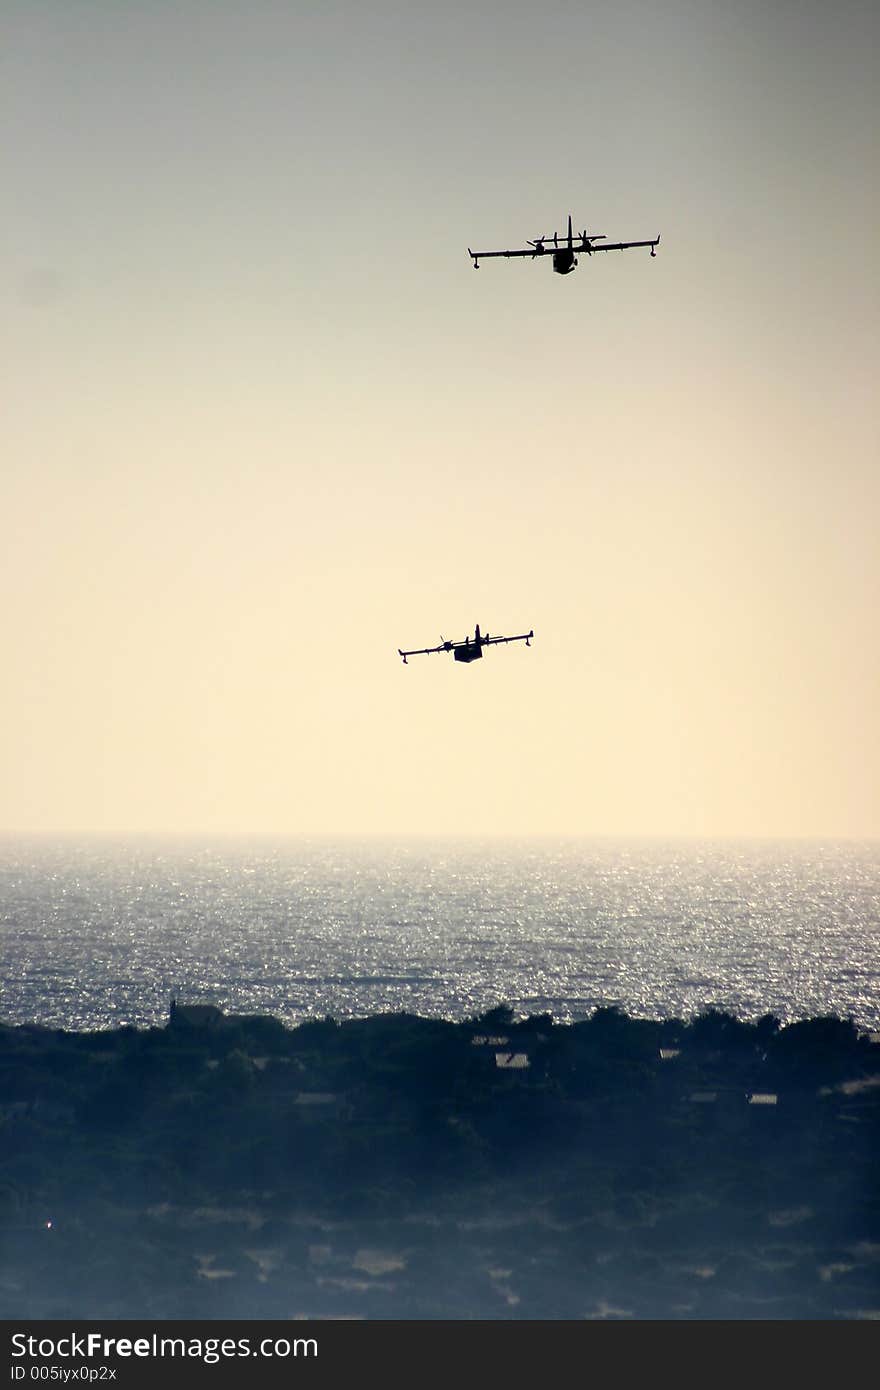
(472, 650)
(564, 262)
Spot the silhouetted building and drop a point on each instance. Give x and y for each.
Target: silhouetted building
(195, 1015)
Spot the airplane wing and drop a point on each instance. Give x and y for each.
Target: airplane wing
(532, 251)
(426, 651)
(578, 245)
(490, 641)
(615, 245)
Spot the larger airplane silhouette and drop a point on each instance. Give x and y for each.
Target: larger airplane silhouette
(469, 649)
(563, 251)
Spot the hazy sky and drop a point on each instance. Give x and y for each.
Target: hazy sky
(263, 423)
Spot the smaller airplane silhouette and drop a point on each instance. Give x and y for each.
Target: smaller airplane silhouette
(470, 649)
(562, 250)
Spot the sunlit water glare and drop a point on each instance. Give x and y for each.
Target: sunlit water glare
(98, 934)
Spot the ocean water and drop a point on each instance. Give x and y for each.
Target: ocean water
(96, 934)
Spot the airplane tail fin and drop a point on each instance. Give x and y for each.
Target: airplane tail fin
(569, 231)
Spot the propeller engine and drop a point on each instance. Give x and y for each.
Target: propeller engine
(587, 240)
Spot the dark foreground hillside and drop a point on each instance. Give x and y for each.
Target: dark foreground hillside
(400, 1167)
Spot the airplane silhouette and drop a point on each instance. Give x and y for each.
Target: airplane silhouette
(562, 251)
(469, 649)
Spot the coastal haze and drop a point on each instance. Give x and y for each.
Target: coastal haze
(264, 424)
(98, 935)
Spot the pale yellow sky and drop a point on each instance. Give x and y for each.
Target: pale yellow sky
(265, 424)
